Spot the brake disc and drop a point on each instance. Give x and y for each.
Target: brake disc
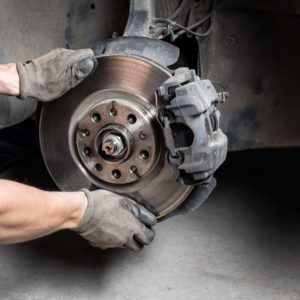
(105, 133)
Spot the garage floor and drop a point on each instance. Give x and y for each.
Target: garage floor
(243, 243)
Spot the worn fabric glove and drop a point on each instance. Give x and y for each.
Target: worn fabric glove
(195, 199)
(50, 76)
(111, 220)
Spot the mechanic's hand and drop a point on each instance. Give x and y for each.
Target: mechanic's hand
(50, 76)
(195, 199)
(111, 220)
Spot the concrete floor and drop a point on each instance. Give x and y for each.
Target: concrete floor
(243, 243)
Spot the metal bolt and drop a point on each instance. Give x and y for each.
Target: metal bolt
(133, 169)
(112, 145)
(113, 112)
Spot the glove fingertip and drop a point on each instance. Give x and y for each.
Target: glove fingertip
(213, 182)
(83, 54)
(85, 67)
(135, 245)
(89, 52)
(147, 217)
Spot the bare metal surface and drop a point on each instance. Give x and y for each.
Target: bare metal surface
(116, 77)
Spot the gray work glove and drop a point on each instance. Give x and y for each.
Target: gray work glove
(111, 221)
(50, 76)
(195, 199)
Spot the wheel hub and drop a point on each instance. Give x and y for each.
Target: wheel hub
(116, 141)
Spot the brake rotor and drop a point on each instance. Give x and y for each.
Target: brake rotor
(105, 134)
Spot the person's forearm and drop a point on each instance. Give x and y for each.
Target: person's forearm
(27, 213)
(9, 80)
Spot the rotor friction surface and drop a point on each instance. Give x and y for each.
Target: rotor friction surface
(119, 79)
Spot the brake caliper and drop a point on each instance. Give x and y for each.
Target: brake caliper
(190, 120)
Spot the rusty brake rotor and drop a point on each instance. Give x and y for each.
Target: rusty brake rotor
(105, 134)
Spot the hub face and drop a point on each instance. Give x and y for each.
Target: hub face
(116, 141)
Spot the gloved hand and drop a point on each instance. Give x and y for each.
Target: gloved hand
(50, 76)
(195, 199)
(111, 220)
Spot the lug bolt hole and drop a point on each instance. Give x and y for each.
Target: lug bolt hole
(144, 154)
(96, 117)
(113, 112)
(131, 119)
(86, 132)
(98, 167)
(116, 174)
(87, 151)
